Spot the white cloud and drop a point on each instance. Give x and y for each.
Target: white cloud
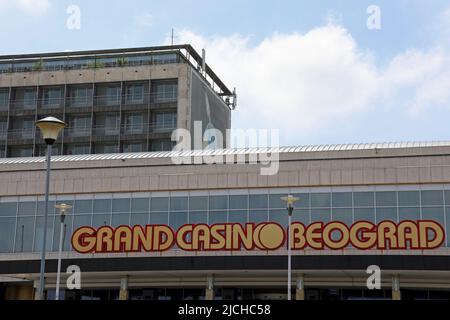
(29, 7)
(302, 83)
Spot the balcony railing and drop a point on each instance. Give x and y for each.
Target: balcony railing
(18, 134)
(143, 128)
(90, 63)
(87, 102)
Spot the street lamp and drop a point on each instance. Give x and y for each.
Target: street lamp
(290, 200)
(50, 128)
(62, 215)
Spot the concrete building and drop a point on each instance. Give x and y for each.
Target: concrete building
(127, 100)
(348, 183)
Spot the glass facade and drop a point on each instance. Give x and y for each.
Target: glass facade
(21, 221)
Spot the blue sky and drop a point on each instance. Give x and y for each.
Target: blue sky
(333, 79)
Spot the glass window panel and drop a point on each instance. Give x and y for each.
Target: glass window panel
(342, 199)
(120, 219)
(447, 197)
(8, 209)
(218, 217)
(177, 219)
(100, 220)
(320, 200)
(447, 227)
(386, 213)
(39, 238)
(159, 218)
(280, 216)
(140, 205)
(83, 206)
(218, 202)
(139, 219)
(434, 213)
(364, 214)
(7, 227)
(363, 199)
(102, 206)
(121, 205)
(68, 232)
(301, 215)
(27, 208)
(41, 207)
(408, 198)
(386, 198)
(198, 217)
(432, 198)
(198, 203)
(238, 216)
(81, 221)
(276, 202)
(258, 201)
(159, 204)
(239, 202)
(303, 200)
(344, 215)
(178, 203)
(258, 216)
(411, 213)
(323, 215)
(24, 234)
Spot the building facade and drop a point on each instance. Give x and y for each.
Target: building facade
(127, 100)
(372, 183)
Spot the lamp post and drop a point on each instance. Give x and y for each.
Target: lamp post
(50, 128)
(290, 200)
(62, 215)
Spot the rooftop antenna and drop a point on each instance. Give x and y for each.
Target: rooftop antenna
(204, 61)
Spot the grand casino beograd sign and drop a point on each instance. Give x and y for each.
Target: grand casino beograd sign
(363, 235)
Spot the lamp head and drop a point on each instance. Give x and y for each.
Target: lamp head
(50, 128)
(63, 207)
(290, 200)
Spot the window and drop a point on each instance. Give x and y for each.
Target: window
(161, 145)
(3, 128)
(134, 123)
(81, 96)
(24, 234)
(112, 124)
(78, 149)
(320, 200)
(164, 91)
(51, 97)
(107, 148)
(408, 198)
(27, 128)
(4, 98)
(165, 58)
(132, 147)
(386, 198)
(19, 152)
(112, 95)
(80, 125)
(218, 202)
(135, 94)
(7, 227)
(29, 98)
(164, 120)
(342, 199)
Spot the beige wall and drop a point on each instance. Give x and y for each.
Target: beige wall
(310, 169)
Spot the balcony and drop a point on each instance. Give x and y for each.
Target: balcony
(24, 104)
(135, 129)
(21, 134)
